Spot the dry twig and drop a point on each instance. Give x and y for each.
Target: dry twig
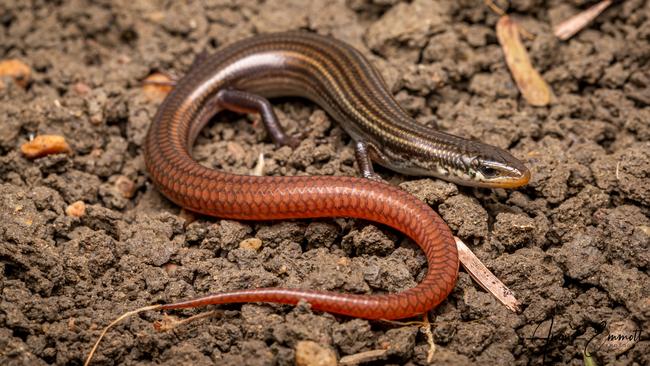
(426, 328)
(375, 354)
(113, 323)
(573, 25)
(485, 278)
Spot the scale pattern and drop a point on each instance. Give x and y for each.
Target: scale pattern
(180, 178)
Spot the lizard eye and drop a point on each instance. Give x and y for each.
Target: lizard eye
(488, 171)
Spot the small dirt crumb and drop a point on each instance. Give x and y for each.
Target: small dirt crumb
(514, 230)
(76, 209)
(125, 186)
(321, 234)
(81, 88)
(187, 215)
(310, 353)
(276, 234)
(251, 243)
(353, 336)
(580, 258)
(399, 342)
(227, 234)
(466, 216)
(432, 192)
(17, 70)
(370, 240)
(44, 145)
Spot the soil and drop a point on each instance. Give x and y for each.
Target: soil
(572, 245)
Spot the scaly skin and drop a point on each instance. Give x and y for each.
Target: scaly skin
(179, 177)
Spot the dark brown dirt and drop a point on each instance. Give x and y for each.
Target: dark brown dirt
(572, 245)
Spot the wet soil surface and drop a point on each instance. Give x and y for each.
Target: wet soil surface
(572, 245)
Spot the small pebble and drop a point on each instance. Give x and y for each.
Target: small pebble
(76, 209)
(125, 186)
(170, 268)
(81, 88)
(44, 145)
(156, 86)
(17, 70)
(310, 353)
(251, 243)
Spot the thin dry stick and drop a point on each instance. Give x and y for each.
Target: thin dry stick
(426, 328)
(113, 323)
(258, 170)
(163, 326)
(170, 323)
(573, 25)
(363, 357)
(397, 322)
(490, 4)
(485, 278)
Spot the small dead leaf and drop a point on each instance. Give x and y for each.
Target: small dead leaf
(576, 23)
(531, 85)
(157, 85)
(44, 145)
(16, 69)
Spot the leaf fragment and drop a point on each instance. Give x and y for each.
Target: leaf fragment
(530, 83)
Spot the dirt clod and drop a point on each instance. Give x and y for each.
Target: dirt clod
(251, 243)
(310, 353)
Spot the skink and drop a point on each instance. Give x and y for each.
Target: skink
(331, 73)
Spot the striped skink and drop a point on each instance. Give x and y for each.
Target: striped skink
(240, 77)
